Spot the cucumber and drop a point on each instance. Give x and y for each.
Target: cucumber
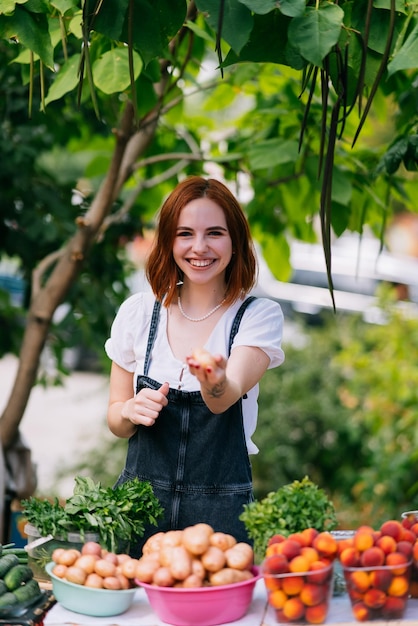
(16, 576)
(7, 562)
(29, 590)
(3, 588)
(8, 599)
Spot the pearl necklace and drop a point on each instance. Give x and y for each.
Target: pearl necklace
(199, 319)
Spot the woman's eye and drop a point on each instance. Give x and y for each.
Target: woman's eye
(183, 233)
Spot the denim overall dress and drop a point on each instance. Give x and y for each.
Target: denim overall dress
(196, 461)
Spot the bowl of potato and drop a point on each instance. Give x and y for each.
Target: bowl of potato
(197, 577)
(92, 581)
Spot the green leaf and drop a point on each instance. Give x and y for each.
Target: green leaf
(272, 152)
(30, 30)
(407, 56)
(237, 21)
(291, 8)
(65, 5)
(316, 32)
(66, 80)
(111, 70)
(111, 17)
(267, 42)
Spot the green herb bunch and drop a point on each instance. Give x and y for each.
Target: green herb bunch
(290, 509)
(118, 515)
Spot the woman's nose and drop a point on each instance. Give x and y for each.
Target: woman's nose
(200, 243)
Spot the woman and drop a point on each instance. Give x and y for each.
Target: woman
(190, 413)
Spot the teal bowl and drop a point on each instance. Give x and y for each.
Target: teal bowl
(89, 601)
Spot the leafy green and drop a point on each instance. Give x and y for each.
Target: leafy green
(290, 509)
(116, 514)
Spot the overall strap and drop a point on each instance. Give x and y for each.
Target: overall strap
(152, 334)
(237, 321)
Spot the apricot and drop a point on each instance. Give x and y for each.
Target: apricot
(294, 609)
(363, 539)
(277, 564)
(406, 548)
(387, 544)
(312, 594)
(319, 572)
(292, 585)
(361, 612)
(316, 614)
(278, 538)
(290, 548)
(414, 528)
(397, 558)
(393, 528)
(410, 536)
(273, 549)
(277, 599)
(299, 564)
(272, 583)
(394, 608)
(309, 553)
(299, 538)
(399, 586)
(350, 557)
(344, 543)
(309, 535)
(415, 551)
(381, 578)
(326, 545)
(372, 557)
(374, 598)
(360, 580)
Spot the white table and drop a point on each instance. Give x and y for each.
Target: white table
(141, 614)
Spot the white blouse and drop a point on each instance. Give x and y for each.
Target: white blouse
(261, 326)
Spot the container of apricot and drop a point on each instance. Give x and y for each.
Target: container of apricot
(298, 576)
(377, 570)
(410, 523)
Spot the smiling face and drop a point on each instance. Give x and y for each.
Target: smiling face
(202, 246)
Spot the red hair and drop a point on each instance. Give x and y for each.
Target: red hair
(161, 270)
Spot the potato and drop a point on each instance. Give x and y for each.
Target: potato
(181, 563)
(112, 582)
(213, 559)
(240, 556)
(229, 576)
(68, 557)
(94, 580)
(86, 562)
(163, 577)
(171, 538)
(104, 568)
(146, 568)
(198, 568)
(128, 568)
(75, 575)
(153, 543)
(204, 358)
(195, 540)
(222, 540)
(193, 581)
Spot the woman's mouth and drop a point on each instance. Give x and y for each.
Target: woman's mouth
(201, 262)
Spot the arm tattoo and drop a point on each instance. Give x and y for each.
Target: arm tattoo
(217, 390)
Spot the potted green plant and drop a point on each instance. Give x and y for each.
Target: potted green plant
(292, 508)
(113, 517)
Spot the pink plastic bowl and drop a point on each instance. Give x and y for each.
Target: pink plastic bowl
(203, 606)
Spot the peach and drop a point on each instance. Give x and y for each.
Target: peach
(386, 543)
(414, 528)
(273, 548)
(393, 608)
(399, 586)
(397, 558)
(293, 609)
(277, 599)
(410, 536)
(292, 585)
(344, 543)
(272, 583)
(361, 612)
(381, 579)
(415, 551)
(372, 557)
(326, 545)
(316, 614)
(393, 528)
(374, 598)
(363, 539)
(350, 557)
(312, 594)
(299, 564)
(360, 580)
(290, 548)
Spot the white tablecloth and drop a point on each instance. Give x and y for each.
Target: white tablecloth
(141, 614)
